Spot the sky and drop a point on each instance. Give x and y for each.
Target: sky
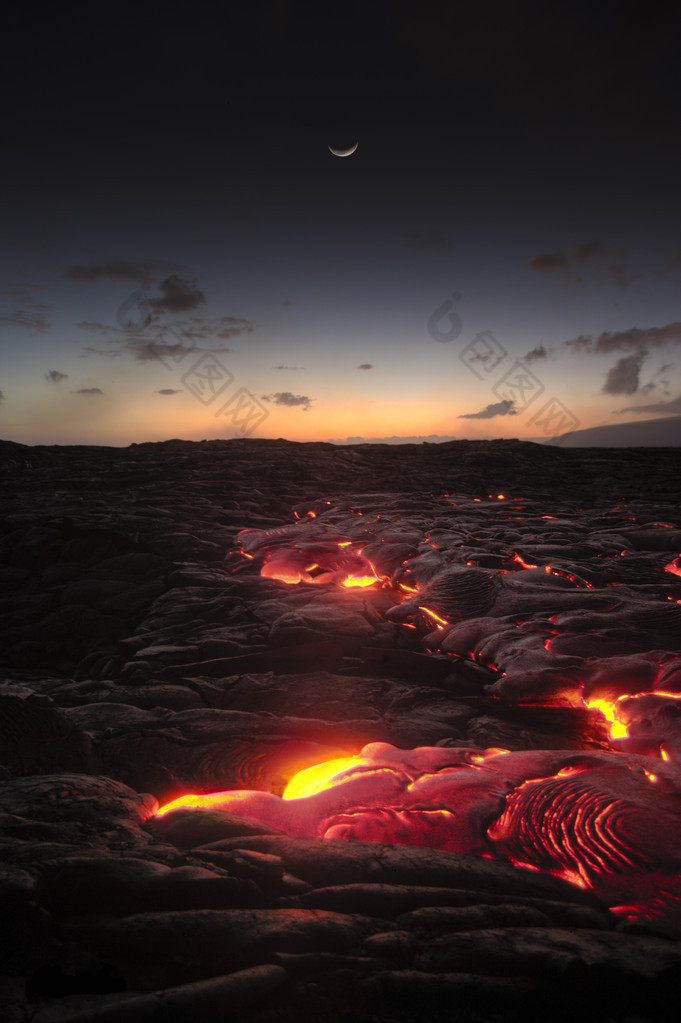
(183, 256)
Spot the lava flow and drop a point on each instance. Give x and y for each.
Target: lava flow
(542, 619)
(319, 563)
(605, 821)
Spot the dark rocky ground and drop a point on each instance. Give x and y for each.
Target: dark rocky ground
(144, 657)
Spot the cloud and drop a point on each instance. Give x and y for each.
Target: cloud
(138, 271)
(587, 250)
(671, 408)
(617, 273)
(365, 365)
(287, 302)
(2, 396)
(23, 294)
(432, 438)
(173, 341)
(168, 390)
(537, 353)
(290, 367)
(177, 296)
(550, 262)
(622, 378)
(29, 320)
(416, 238)
(580, 254)
(290, 400)
(669, 264)
(500, 408)
(633, 339)
(88, 390)
(55, 376)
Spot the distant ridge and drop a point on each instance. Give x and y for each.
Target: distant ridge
(650, 433)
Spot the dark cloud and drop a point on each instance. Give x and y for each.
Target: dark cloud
(432, 438)
(425, 239)
(174, 341)
(634, 339)
(580, 254)
(537, 353)
(138, 271)
(2, 396)
(289, 367)
(617, 273)
(365, 365)
(177, 296)
(88, 390)
(149, 351)
(167, 390)
(23, 294)
(550, 262)
(288, 399)
(29, 320)
(671, 408)
(587, 250)
(500, 408)
(622, 378)
(672, 263)
(55, 376)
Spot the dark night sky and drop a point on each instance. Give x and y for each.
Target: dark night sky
(168, 188)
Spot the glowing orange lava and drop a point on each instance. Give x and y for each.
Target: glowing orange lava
(319, 776)
(618, 730)
(437, 620)
(205, 801)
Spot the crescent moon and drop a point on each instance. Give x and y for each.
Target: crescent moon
(344, 152)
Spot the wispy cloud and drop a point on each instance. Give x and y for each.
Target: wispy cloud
(174, 341)
(572, 263)
(289, 400)
(291, 368)
(536, 354)
(54, 376)
(670, 408)
(499, 408)
(633, 339)
(584, 251)
(28, 319)
(550, 263)
(365, 365)
(23, 294)
(167, 391)
(673, 262)
(136, 271)
(88, 391)
(177, 296)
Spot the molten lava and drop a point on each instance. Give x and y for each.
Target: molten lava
(609, 822)
(319, 776)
